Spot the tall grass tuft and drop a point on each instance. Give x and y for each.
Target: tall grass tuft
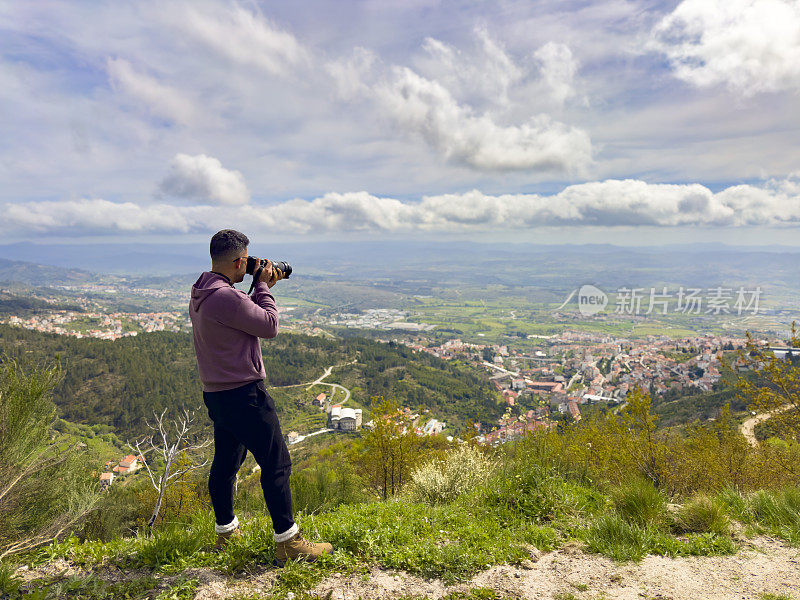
(9, 583)
(620, 539)
(778, 510)
(170, 544)
(701, 515)
(441, 481)
(735, 503)
(640, 502)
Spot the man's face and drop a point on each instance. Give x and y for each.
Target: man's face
(241, 266)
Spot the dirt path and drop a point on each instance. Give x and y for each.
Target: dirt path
(749, 426)
(762, 566)
(321, 381)
(768, 567)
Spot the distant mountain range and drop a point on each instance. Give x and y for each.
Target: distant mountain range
(558, 269)
(42, 275)
(169, 259)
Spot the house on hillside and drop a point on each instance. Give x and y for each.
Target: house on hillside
(106, 479)
(572, 406)
(433, 427)
(344, 419)
(129, 464)
(350, 419)
(334, 414)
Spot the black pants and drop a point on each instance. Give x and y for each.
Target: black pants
(245, 419)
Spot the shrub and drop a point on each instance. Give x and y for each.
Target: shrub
(537, 492)
(701, 515)
(116, 515)
(440, 481)
(46, 485)
(640, 502)
(327, 485)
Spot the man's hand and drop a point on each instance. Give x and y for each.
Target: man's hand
(270, 275)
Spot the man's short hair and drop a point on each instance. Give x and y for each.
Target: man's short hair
(227, 244)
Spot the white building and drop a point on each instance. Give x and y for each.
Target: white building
(433, 427)
(350, 419)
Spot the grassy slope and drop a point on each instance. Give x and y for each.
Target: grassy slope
(520, 509)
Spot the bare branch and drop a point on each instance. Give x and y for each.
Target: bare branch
(172, 445)
(140, 453)
(185, 470)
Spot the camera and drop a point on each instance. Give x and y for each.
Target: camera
(253, 264)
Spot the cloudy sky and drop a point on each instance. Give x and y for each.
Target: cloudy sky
(558, 120)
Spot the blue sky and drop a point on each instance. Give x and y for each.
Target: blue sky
(616, 121)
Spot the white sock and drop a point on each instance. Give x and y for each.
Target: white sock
(227, 528)
(288, 534)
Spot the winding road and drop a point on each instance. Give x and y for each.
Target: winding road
(749, 426)
(321, 381)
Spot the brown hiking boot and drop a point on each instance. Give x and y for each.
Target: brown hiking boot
(224, 538)
(299, 548)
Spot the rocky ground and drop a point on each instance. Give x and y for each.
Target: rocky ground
(763, 566)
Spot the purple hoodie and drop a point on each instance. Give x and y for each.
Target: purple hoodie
(226, 326)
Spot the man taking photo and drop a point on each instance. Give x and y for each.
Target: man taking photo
(227, 325)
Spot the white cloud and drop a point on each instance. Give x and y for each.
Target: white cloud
(160, 99)
(351, 73)
(751, 46)
(487, 75)
(456, 100)
(94, 215)
(426, 108)
(481, 75)
(558, 68)
(203, 178)
(246, 38)
(610, 203)
(259, 90)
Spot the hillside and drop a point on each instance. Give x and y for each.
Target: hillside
(608, 507)
(522, 530)
(121, 383)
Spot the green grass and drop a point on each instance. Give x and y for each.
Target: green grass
(581, 587)
(93, 588)
(778, 512)
(640, 502)
(9, 584)
(524, 503)
(621, 540)
(700, 515)
(775, 512)
(454, 541)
